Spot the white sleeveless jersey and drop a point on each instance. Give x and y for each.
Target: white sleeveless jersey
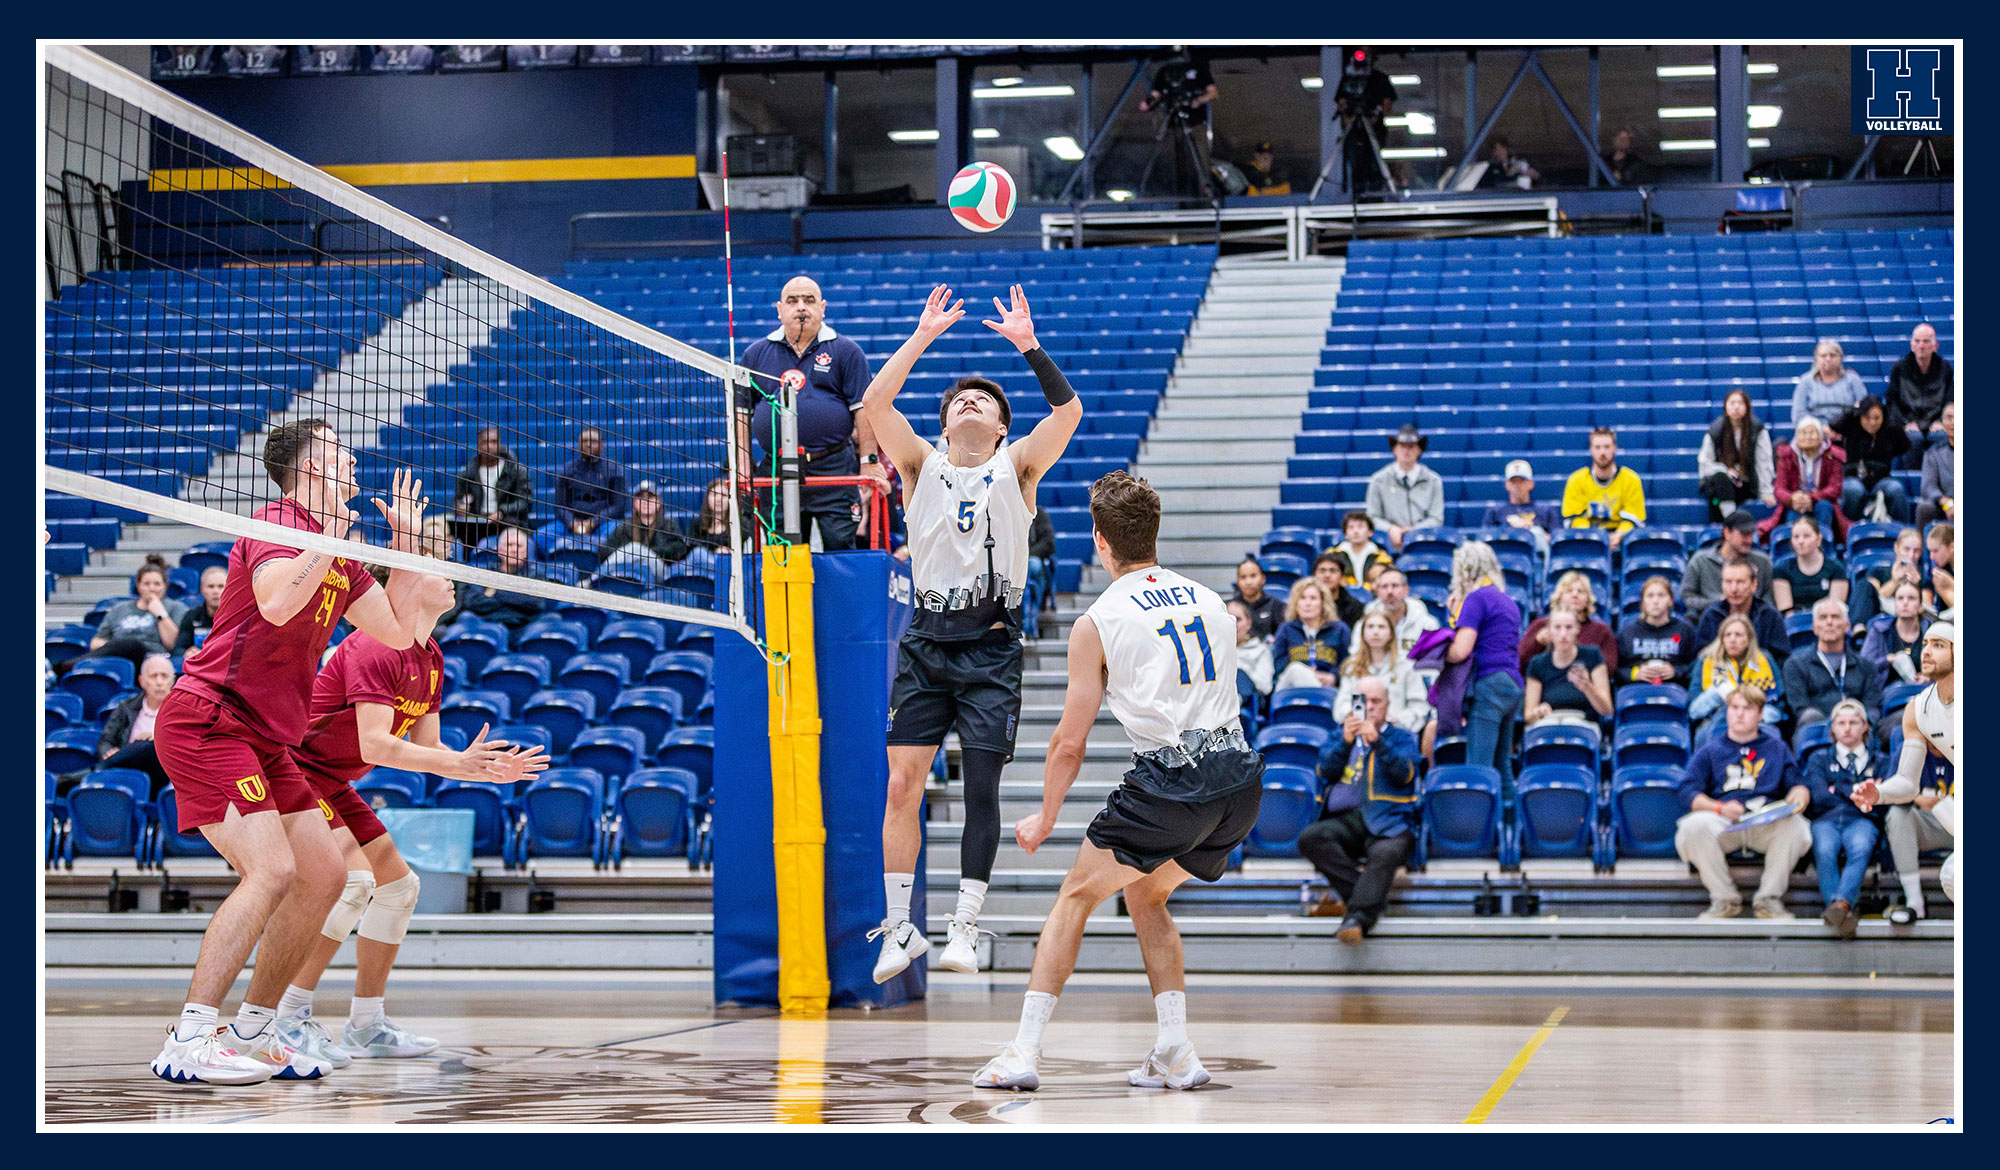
(1940, 730)
(1169, 657)
(962, 587)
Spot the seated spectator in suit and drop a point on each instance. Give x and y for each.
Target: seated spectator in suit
(1895, 641)
(127, 739)
(1734, 463)
(1573, 593)
(147, 624)
(1604, 495)
(1267, 613)
(1521, 511)
(1800, 580)
(1701, 581)
(1808, 479)
(591, 490)
(512, 610)
(1253, 654)
(1346, 606)
(1818, 678)
(199, 619)
(1938, 497)
(1941, 594)
(1372, 813)
(1410, 617)
(1739, 600)
(1358, 549)
(1742, 771)
(1843, 835)
(492, 491)
(1374, 654)
(1308, 648)
(1920, 390)
(1405, 494)
(1656, 645)
(1827, 389)
(1872, 447)
(648, 534)
(1876, 592)
(1731, 662)
(1566, 683)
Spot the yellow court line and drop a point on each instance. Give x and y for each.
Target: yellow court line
(1484, 1109)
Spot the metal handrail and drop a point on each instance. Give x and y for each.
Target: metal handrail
(319, 251)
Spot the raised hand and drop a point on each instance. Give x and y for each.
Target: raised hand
(406, 513)
(1015, 323)
(521, 763)
(486, 759)
(940, 312)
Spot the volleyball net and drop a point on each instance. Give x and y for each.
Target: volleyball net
(203, 287)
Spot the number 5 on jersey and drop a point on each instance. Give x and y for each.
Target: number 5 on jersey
(1200, 632)
(967, 510)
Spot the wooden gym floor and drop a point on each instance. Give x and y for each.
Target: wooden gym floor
(549, 1048)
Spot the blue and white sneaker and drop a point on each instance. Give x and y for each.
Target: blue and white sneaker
(1173, 1068)
(384, 1038)
(311, 1037)
(208, 1058)
(286, 1063)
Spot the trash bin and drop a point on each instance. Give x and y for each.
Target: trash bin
(437, 842)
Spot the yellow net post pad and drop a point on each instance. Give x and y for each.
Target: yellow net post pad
(798, 832)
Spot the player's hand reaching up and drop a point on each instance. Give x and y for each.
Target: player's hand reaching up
(940, 313)
(1014, 324)
(406, 513)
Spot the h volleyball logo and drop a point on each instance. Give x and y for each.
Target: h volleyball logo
(982, 196)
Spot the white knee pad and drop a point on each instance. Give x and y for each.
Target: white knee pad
(353, 900)
(1948, 877)
(388, 915)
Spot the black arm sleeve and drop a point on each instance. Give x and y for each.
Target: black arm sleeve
(1055, 387)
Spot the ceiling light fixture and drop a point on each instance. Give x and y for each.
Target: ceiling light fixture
(1026, 91)
(1064, 147)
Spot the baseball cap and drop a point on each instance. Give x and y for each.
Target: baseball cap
(646, 487)
(1262, 148)
(1740, 520)
(1519, 469)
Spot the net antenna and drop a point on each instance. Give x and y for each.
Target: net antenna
(204, 287)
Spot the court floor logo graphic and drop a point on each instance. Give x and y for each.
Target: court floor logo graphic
(1903, 89)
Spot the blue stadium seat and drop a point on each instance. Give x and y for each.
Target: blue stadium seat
(66, 642)
(636, 639)
(474, 642)
(697, 640)
(625, 578)
(393, 788)
(210, 554)
(683, 670)
(111, 815)
(1290, 803)
(1868, 538)
(1429, 542)
(1814, 738)
(1645, 810)
(516, 676)
(1294, 744)
(493, 822)
(60, 709)
(653, 711)
(562, 815)
(555, 639)
(1659, 744)
(97, 680)
(590, 617)
(692, 748)
(1462, 813)
(172, 842)
(72, 749)
(1555, 812)
(1650, 703)
(654, 814)
(563, 713)
(615, 752)
(1798, 628)
(467, 711)
(1575, 745)
(524, 735)
(1311, 706)
(601, 674)
(1897, 695)
(1293, 542)
(1282, 569)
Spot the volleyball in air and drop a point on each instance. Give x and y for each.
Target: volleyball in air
(982, 196)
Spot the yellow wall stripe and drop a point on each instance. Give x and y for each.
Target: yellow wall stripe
(1484, 1109)
(502, 170)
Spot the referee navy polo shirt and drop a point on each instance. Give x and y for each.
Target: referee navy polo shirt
(835, 376)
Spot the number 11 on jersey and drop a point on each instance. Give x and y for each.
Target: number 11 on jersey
(1200, 632)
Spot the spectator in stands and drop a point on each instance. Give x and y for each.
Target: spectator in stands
(1604, 494)
(708, 540)
(591, 490)
(1742, 771)
(1843, 835)
(1734, 462)
(1572, 594)
(648, 534)
(1877, 592)
(1405, 494)
(1808, 480)
(1346, 606)
(1521, 510)
(1267, 613)
(198, 619)
(1895, 640)
(1827, 389)
(1801, 579)
(1371, 774)
(1732, 661)
(512, 610)
(127, 738)
(1920, 388)
(1357, 549)
(1265, 175)
(1701, 581)
(1486, 631)
(1657, 645)
(1739, 599)
(493, 491)
(1374, 654)
(1040, 589)
(147, 624)
(1506, 169)
(1627, 168)
(1253, 654)
(1817, 679)
(1872, 448)
(1410, 617)
(1307, 649)
(1941, 595)
(1566, 683)
(1938, 497)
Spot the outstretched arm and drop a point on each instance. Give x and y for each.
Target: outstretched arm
(389, 615)
(489, 760)
(1065, 758)
(1046, 443)
(893, 434)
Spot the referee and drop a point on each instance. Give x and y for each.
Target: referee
(830, 374)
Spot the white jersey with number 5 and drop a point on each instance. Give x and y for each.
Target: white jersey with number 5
(1169, 657)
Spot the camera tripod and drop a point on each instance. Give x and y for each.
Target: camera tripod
(1339, 159)
(1179, 119)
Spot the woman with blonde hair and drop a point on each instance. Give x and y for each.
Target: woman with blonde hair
(1486, 630)
(1828, 389)
(1733, 660)
(1573, 592)
(1308, 647)
(1374, 653)
(1567, 683)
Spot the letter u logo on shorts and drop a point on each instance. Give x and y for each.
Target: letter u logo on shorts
(252, 788)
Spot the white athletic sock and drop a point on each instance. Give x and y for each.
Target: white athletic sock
(252, 1019)
(898, 886)
(1036, 1008)
(971, 896)
(298, 1001)
(363, 1012)
(196, 1018)
(1171, 1008)
(1913, 892)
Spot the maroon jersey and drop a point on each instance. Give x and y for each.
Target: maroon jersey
(261, 672)
(363, 670)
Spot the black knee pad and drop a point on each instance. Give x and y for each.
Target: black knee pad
(981, 841)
